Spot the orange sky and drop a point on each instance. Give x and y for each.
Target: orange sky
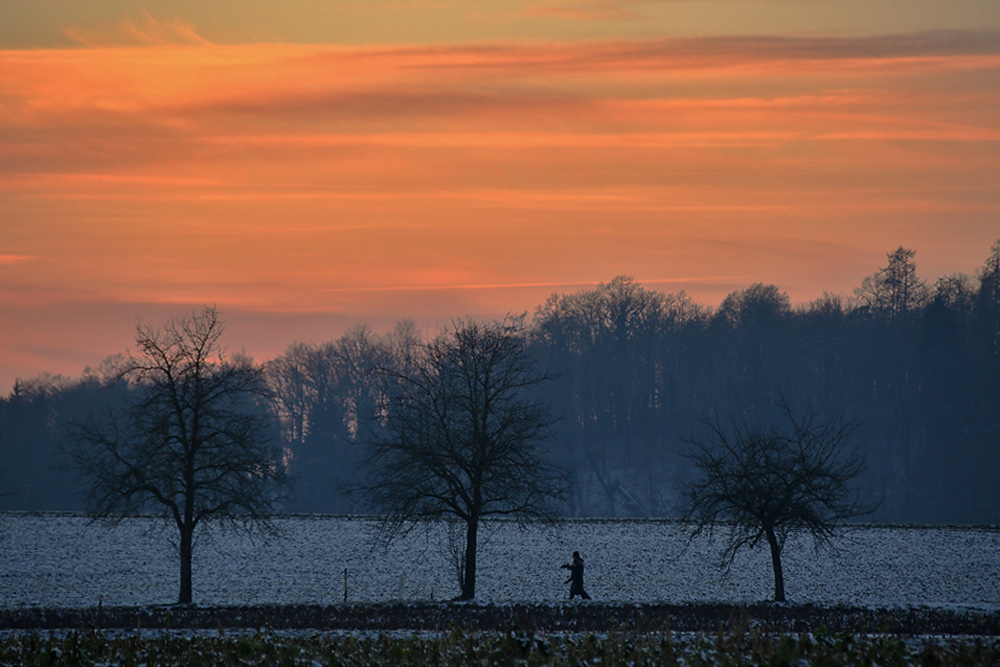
(150, 166)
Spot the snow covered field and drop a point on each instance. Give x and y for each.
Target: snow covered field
(63, 560)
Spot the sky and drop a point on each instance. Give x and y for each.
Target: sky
(310, 165)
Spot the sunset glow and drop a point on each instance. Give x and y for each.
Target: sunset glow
(150, 166)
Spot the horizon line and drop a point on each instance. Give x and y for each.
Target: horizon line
(486, 286)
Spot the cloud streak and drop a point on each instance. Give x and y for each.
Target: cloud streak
(429, 182)
(16, 259)
(145, 30)
(105, 85)
(512, 286)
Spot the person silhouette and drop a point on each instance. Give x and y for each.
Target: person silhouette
(575, 579)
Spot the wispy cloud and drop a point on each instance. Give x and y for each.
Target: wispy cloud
(146, 30)
(605, 10)
(16, 259)
(734, 51)
(284, 122)
(392, 181)
(521, 285)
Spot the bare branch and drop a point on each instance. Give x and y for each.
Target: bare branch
(771, 481)
(193, 441)
(459, 438)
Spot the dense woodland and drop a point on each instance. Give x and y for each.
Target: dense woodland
(915, 363)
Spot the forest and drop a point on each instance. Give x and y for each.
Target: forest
(636, 376)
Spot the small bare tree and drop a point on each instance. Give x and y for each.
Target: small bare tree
(461, 437)
(773, 481)
(193, 441)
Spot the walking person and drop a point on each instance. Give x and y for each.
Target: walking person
(575, 580)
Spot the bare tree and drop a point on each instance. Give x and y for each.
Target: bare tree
(612, 346)
(461, 437)
(288, 377)
(193, 442)
(894, 290)
(771, 482)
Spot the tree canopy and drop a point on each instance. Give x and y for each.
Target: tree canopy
(633, 369)
(772, 480)
(193, 440)
(462, 435)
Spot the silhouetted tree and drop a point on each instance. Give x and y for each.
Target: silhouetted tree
(772, 481)
(461, 437)
(194, 441)
(613, 347)
(988, 302)
(758, 305)
(31, 422)
(635, 367)
(289, 378)
(894, 290)
(750, 338)
(325, 394)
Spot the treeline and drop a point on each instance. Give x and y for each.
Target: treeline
(916, 364)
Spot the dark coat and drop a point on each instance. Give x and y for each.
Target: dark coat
(575, 579)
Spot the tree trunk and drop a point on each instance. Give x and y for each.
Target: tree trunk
(471, 546)
(187, 534)
(779, 578)
(187, 522)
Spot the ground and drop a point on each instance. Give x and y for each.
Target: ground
(561, 617)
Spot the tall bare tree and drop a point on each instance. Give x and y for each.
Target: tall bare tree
(193, 442)
(894, 290)
(773, 481)
(462, 437)
(289, 378)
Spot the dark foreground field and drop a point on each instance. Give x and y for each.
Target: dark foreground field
(457, 649)
(405, 635)
(547, 618)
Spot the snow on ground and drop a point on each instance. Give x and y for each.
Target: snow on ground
(64, 560)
